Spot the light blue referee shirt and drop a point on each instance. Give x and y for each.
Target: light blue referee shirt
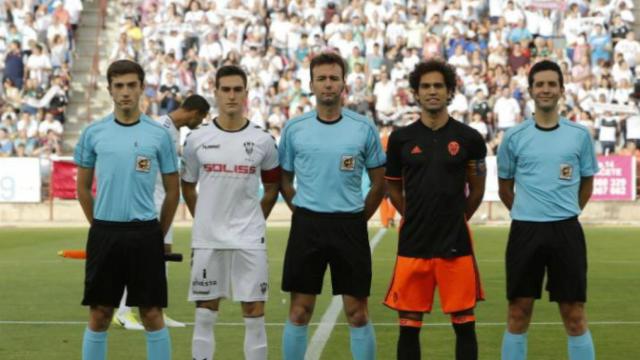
(547, 165)
(328, 160)
(126, 159)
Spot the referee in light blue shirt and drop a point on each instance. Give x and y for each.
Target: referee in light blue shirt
(125, 151)
(328, 150)
(551, 162)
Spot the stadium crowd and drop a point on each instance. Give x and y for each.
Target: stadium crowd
(492, 43)
(36, 52)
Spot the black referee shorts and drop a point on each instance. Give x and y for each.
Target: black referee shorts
(339, 240)
(557, 247)
(127, 254)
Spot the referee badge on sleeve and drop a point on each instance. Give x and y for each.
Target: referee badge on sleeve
(566, 171)
(143, 163)
(348, 163)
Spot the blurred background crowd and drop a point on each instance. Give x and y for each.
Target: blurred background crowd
(181, 43)
(36, 52)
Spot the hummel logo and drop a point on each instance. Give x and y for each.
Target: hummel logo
(212, 146)
(416, 150)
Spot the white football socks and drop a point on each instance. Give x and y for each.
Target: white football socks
(255, 339)
(203, 343)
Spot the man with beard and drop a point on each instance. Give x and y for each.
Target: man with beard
(429, 164)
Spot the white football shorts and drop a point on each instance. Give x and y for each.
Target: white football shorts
(239, 274)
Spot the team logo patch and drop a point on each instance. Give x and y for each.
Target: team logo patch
(248, 147)
(143, 164)
(263, 287)
(566, 171)
(416, 150)
(348, 163)
(454, 148)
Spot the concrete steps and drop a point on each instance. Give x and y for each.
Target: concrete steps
(86, 102)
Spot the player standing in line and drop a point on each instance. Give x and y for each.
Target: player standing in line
(429, 164)
(126, 150)
(190, 114)
(552, 162)
(227, 159)
(328, 150)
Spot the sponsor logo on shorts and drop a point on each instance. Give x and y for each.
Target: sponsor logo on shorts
(211, 146)
(263, 287)
(203, 283)
(143, 164)
(348, 163)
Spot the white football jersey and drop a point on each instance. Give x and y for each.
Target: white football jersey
(158, 194)
(227, 167)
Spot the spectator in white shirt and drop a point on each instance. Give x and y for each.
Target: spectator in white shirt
(38, 65)
(211, 50)
(49, 123)
(629, 47)
(384, 91)
(507, 110)
(479, 125)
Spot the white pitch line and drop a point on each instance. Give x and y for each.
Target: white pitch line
(328, 320)
(394, 324)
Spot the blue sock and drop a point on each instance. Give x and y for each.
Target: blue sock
(363, 342)
(514, 346)
(294, 341)
(94, 345)
(158, 344)
(581, 347)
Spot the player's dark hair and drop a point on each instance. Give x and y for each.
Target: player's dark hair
(328, 58)
(196, 102)
(545, 65)
(230, 70)
(124, 67)
(447, 71)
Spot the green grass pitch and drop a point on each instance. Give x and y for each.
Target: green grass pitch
(41, 316)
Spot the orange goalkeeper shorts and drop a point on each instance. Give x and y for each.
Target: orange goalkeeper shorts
(415, 279)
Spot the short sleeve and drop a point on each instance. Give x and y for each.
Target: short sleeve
(270, 160)
(285, 151)
(374, 156)
(167, 154)
(588, 159)
(506, 159)
(394, 158)
(84, 155)
(477, 147)
(190, 164)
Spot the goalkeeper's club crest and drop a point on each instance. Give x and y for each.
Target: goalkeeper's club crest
(454, 148)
